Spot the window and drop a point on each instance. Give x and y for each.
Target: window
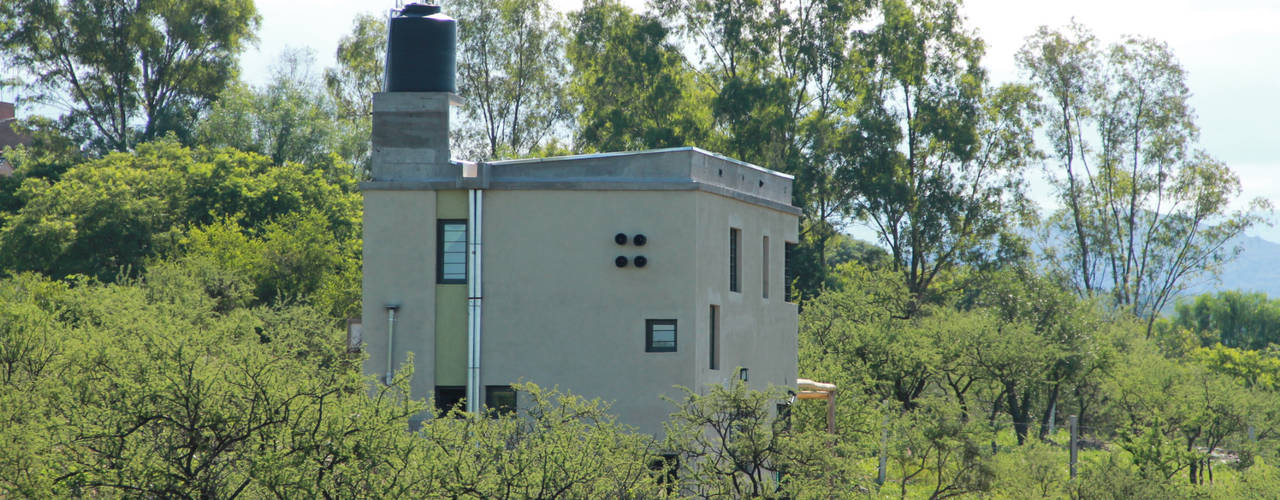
(788, 271)
(499, 400)
(735, 237)
(660, 335)
(449, 396)
(667, 470)
(715, 337)
(764, 269)
(451, 251)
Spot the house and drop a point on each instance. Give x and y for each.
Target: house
(8, 136)
(620, 276)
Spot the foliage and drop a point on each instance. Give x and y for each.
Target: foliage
(629, 82)
(1234, 318)
(730, 443)
(127, 72)
(511, 73)
(945, 179)
(107, 217)
(290, 119)
(1146, 212)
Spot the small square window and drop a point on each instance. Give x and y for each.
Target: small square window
(448, 397)
(660, 335)
(499, 400)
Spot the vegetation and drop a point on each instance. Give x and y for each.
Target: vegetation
(179, 250)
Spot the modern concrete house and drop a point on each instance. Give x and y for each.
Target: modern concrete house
(616, 276)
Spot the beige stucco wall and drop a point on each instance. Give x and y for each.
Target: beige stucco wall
(451, 307)
(399, 268)
(756, 333)
(558, 312)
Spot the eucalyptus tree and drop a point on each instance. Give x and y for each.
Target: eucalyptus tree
(127, 72)
(630, 86)
(784, 79)
(940, 179)
(511, 73)
(1148, 212)
(290, 119)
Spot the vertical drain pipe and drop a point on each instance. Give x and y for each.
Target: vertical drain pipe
(475, 228)
(391, 341)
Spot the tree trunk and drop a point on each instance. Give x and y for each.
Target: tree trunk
(1050, 406)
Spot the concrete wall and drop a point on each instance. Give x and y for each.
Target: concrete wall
(451, 307)
(399, 269)
(756, 333)
(557, 311)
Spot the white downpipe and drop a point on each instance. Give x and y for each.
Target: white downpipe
(391, 341)
(475, 295)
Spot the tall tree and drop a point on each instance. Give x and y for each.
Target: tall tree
(511, 73)
(291, 118)
(785, 80)
(1233, 318)
(127, 72)
(361, 57)
(943, 175)
(1147, 211)
(630, 85)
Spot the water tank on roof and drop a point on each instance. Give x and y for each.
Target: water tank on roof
(421, 50)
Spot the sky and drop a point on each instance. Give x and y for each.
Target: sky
(1230, 50)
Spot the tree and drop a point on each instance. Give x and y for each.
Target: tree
(629, 83)
(290, 119)
(106, 218)
(361, 57)
(943, 179)
(127, 72)
(1146, 211)
(786, 81)
(511, 73)
(1235, 319)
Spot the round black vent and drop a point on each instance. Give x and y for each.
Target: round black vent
(620, 261)
(620, 239)
(639, 240)
(641, 261)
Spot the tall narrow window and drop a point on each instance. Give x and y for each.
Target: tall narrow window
(451, 251)
(735, 237)
(764, 269)
(788, 271)
(715, 337)
(659, 335)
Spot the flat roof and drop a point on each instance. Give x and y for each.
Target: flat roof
(668, 169)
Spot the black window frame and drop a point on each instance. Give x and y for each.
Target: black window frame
(764, 268)
(788, 272)
(440, 253)
(450, 390)
(649, 346)
(735, 260)
(496, 409)
(714, 331)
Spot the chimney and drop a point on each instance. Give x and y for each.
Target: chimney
(411, 116)
(6, 110)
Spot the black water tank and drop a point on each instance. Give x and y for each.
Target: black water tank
(421, 50)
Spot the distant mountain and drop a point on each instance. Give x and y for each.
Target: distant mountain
(1256, 269)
